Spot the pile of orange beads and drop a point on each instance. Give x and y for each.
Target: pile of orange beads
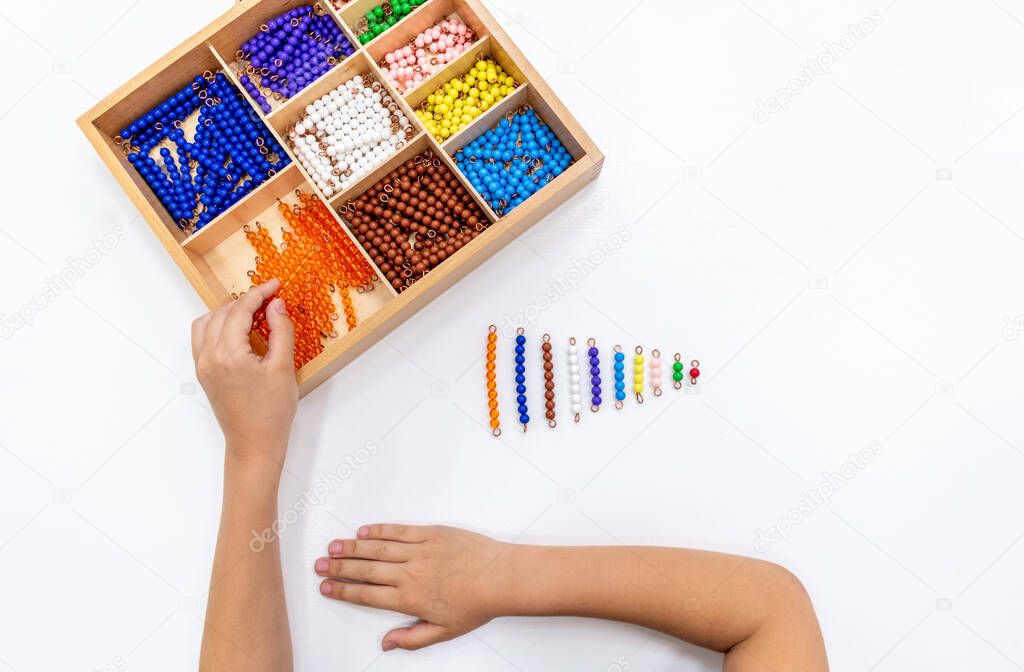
(316, 261)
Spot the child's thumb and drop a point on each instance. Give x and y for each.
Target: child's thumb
(282, 333)
(416, 637)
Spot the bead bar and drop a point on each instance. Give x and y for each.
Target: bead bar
(438, 228)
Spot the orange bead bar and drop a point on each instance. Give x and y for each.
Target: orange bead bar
(316, 261)
(492, 382)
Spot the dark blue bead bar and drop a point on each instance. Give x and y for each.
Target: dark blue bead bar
(595, 377)
(524, 417)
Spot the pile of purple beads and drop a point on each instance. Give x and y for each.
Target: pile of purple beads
(291, 51)
(232, 151)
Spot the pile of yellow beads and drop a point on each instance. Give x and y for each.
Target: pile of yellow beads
(451, 107)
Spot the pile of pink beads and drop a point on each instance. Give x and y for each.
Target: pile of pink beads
(427, 53)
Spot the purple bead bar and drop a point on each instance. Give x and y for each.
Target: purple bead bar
(290, 52)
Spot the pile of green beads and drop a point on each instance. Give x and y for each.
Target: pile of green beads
(382, 17)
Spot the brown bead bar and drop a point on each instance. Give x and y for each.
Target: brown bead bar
(549, 381)
(413, 219)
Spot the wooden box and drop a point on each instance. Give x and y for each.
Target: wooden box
(216, 258)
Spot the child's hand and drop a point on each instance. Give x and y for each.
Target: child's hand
(444, 576)
(253, 397)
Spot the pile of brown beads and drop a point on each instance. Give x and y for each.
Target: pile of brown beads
(414, 219)
(317, 260)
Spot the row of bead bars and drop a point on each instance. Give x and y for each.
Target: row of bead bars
(679, 377)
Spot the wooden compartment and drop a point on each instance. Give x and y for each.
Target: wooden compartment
(522, 97)
(227, 42)
(419, 146)
(217, 258)
(352, 12)
(283, 120)
(136, 101)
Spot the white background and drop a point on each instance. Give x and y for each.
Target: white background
(836, 287)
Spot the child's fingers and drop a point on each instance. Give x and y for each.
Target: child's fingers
(410, 534)
(379, 597)
(370, 571)
(215, 326)
(415, 637)
(385, 551)
(239, 318)
(282, 334)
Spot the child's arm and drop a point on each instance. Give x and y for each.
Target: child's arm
(254, 399)
(755, 612)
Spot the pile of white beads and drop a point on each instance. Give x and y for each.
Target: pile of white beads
(348, 132)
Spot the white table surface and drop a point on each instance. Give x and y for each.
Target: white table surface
(847, 271)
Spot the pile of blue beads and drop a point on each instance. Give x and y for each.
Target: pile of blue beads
(290, 52)
(513, 161)
(232, 151)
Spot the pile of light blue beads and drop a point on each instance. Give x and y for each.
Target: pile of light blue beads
(513, 160)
